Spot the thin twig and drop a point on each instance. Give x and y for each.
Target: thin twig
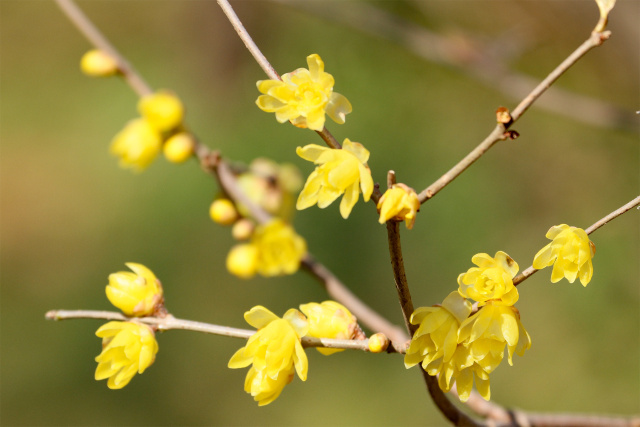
(596, 39)
(632, 204)
(248, 41)
(91, 32)
(169, 322)
(448, 409)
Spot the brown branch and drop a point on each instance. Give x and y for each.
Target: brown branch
(632, 204)
(596, 39)
(91, 32)
(171, 323)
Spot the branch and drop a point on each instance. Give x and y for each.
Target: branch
(632, 204)
(596, 39)
(89, 30)
(169, 322)
(264, 63)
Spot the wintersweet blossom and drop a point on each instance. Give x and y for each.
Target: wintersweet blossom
(487, 332)
(570, 252)
(463, 370)
(330, 319)
(275, 351)
(339, 171)
(163, 110)
(435, 341)
(401, 203)
(491, 279)
(304, 96)
(136, 294)
(127, 348)
(137, 145)
(280, 248)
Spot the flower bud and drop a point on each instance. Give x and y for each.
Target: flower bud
(97, 63)
(378, 343)
(223, 212)
(162, 109)
(242, 260)
(243, 229)
(136, 294)
(179, 147)
(330, 319)
(137, 145)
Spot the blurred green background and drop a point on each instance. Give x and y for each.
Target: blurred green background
(70, 216)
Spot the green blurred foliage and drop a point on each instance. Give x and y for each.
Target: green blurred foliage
(70, 216)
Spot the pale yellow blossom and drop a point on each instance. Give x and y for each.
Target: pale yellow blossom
(136, 294)
(127, 348)
(399, 202)
(137, 145)
(491, 279)
(570, 252)
(304, 96)
(339, 172)
(330, 319)
(162, 109)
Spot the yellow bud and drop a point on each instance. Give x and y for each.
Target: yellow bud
(179, 147)
(242, 260)
(136, 294)
(378, 343)
(330, 319)
(223, 212)
(162, 109)
(242, 229)
(97, 63)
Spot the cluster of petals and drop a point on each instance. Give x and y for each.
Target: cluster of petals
(304, 96)
(137, 145)
(140, 142)
(491, 279)
(275, 249)
(570, 252)
(401, 203)
(127, 348)
(274, 351)
(136, 293)
(339, 172)
(330, 319)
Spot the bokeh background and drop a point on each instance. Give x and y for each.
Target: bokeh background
(70, 216)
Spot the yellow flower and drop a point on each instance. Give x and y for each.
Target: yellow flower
(492, 279)
(97, 63)
(487, 332)
(275, 352)
(275, 249)
(338, 172)
(136, 294)
(399, 202)
(303, 96)
(179, 147)
(462, 370)
(162, 109)
(330, 319)
(127, 348)
(571, 251)
(137, 145)
(436, 339)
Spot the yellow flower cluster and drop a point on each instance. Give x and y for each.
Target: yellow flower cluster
(158, 129)
(129, 347)
(462, 347)
(304, 96)
(275, 249)
(570, 252)
(274, 351)
(339, 171)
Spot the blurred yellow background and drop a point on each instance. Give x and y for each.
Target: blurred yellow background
(70, 216)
